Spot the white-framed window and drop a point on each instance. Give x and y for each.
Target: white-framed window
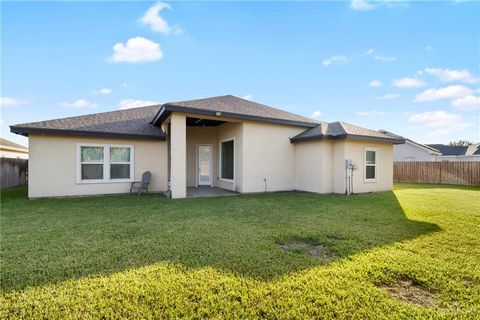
(371, 165)
(227, 159)
(102, 163)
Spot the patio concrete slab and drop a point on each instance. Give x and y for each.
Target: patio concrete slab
(206, 191)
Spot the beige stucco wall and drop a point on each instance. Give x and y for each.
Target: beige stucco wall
(314, 166)
(308, 169)
(355, 150)
(268, 154)
(178, 155)
(52, 166)
(320, 166)
(338, 166)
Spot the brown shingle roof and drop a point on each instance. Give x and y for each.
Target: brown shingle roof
(234, 107)
(143, 122)
(129, 123)
(343, 130)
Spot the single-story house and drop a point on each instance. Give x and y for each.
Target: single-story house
(9, 149)
(220, 142)
(415, 151)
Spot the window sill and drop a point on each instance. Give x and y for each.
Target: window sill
(370, 180)
(226, 180)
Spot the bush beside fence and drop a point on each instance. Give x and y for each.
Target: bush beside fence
(445, 172)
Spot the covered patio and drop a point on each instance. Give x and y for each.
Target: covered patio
(202, 153)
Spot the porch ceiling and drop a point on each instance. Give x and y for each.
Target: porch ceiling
(199, 122)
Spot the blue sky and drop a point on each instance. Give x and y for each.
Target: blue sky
(409, 67)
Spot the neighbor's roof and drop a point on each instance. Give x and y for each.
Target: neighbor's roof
(342, 130)
(447, 150)
(422, 146)
(129, 123)
(473, 149)
(235, 108)
(7, 144)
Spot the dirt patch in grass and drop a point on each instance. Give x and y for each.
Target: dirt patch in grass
(320, 251)
(409, 292)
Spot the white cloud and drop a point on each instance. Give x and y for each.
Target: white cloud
(467, 103)
(124, 84)
(369, 52)
(389, 96)
(103, 91)
(429, 48)
(152, 18)
(334, 60)
(377, 56)
(385, 58)
(449, 75)
(449, 92)
(133, 103)
(248, 97)
(137, 49)
(80, 103)
(375, 84)
(11, 102)
(407, 82)
(371, 113)
(449, 129)
(435, 118)
(361, 5)
(365, 5)
(441, 123)
(316, 114)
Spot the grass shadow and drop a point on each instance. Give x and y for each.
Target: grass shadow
(51, 240)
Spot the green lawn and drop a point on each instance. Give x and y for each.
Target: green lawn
(149, 257)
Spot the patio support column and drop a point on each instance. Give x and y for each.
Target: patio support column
(178, 156)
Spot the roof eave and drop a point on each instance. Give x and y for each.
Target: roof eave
(370, 138)
(25, 131)
(168, 108)
(348, 137)
(425, 147)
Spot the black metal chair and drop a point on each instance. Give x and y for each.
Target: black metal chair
(141, 185)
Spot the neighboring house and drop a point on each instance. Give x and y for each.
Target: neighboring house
(9, 149)
(224, 142)
(414, 151)
(457, 153)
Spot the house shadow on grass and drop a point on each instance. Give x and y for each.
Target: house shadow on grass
(48, 241)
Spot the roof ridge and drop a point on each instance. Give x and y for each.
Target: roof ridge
(196, 104)
(88, 115)
(343, 127)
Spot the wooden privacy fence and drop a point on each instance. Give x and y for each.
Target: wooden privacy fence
(13, 172)
(444, 172)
